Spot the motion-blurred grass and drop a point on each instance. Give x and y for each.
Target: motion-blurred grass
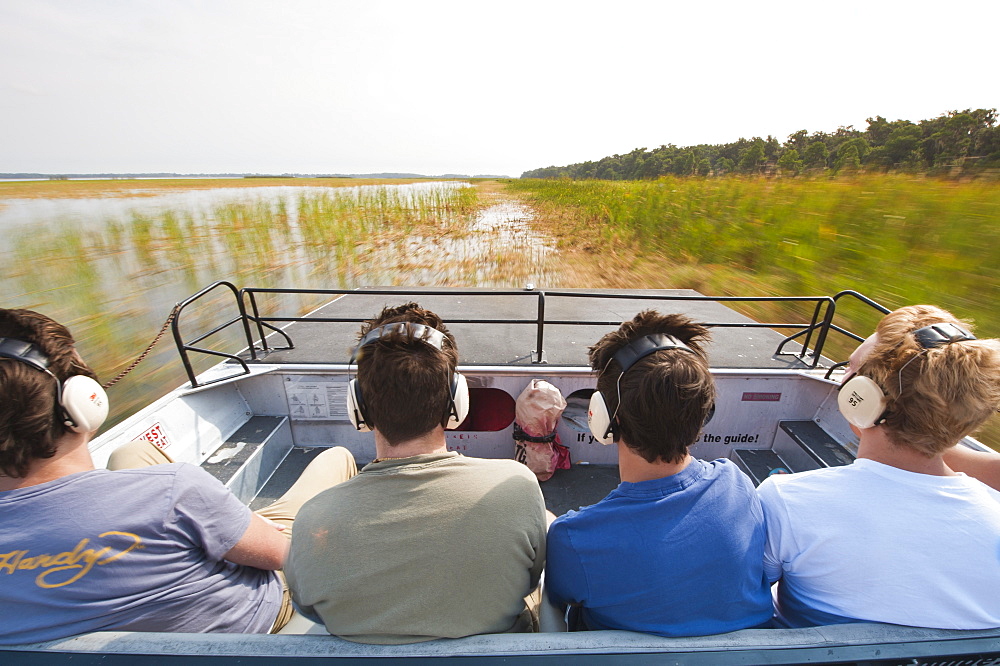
(897, 239)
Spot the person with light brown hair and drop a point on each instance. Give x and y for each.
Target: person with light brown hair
(899, 536)
(423, 543)
(677, 548)
(165, 547)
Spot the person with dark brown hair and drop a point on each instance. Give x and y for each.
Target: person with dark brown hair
(165, 547)
(677, 548)
(900, 535)
(423, 543)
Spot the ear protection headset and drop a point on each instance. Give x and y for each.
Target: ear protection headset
(863, 402)
(458, 403)
(604, 425)
(83, 401)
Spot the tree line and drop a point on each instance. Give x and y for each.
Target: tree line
(955, 142)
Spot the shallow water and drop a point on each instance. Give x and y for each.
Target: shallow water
(112, 268)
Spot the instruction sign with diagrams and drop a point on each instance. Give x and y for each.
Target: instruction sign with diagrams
(312, 400)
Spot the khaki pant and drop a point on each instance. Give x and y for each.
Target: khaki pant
(329, 468)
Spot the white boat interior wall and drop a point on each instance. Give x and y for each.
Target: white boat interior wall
(191, 424)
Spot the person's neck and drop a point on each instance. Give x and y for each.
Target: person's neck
(430, 442)
(72, 456)
(633, 468)
(876, 445)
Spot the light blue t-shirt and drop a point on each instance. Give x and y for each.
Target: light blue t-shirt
(678, 556)
(136, 550)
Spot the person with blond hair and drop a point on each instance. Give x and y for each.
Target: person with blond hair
(899, 536)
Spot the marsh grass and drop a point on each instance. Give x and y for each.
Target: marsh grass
(114, 280)
(897, 239)
(151, 187)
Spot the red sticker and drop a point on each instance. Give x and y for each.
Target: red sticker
(156, 437)
(761, 397)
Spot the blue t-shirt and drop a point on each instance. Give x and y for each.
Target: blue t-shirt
(678, 556)
(137, 549)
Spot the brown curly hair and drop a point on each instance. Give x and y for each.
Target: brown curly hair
(31, 422)
(666, 396)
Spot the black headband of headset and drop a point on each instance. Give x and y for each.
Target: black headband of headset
(422, 332)
(642, 347)
(19, 350)
(936, 335)
(639, 349)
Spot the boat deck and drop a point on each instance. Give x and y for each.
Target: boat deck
(568, 489)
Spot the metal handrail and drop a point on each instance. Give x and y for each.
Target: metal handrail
(821, 322)
(184, 347)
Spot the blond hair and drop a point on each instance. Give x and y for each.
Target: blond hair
(935, 396)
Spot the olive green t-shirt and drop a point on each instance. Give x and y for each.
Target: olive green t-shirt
(431, 546)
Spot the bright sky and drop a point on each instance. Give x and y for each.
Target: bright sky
(359, 86)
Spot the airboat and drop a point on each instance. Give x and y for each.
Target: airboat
(256, 417)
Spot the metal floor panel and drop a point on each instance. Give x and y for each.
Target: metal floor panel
(567, 489)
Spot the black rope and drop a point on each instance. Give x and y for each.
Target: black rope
(166, 325)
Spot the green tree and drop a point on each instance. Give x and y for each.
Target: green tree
(878, 130)
(799, 141)
(771, 148)
(790, 163)
(725, 165)
(753, 157)
(816, 155)
(848, 160)
(684, 164)
(901, 149)
(860, 145)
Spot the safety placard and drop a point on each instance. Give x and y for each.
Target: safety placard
(317, 401)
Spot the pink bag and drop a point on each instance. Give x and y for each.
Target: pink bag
(536, 443)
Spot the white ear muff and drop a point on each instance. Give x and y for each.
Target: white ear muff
(355, 407)
(85, 404)
(861, 401)
(459, 400)
(599, 419)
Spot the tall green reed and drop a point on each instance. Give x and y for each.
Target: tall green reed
(113, 281)
(897, 239)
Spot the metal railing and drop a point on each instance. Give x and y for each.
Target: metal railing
(254, 323)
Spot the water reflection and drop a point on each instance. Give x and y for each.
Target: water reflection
(111, 269)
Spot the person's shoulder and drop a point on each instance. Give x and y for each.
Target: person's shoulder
(572, 518)
(502, 467)
(179, 471)
(812, 476)
(728, 479)
(560, 527)
(811, 482)
(723, 468)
